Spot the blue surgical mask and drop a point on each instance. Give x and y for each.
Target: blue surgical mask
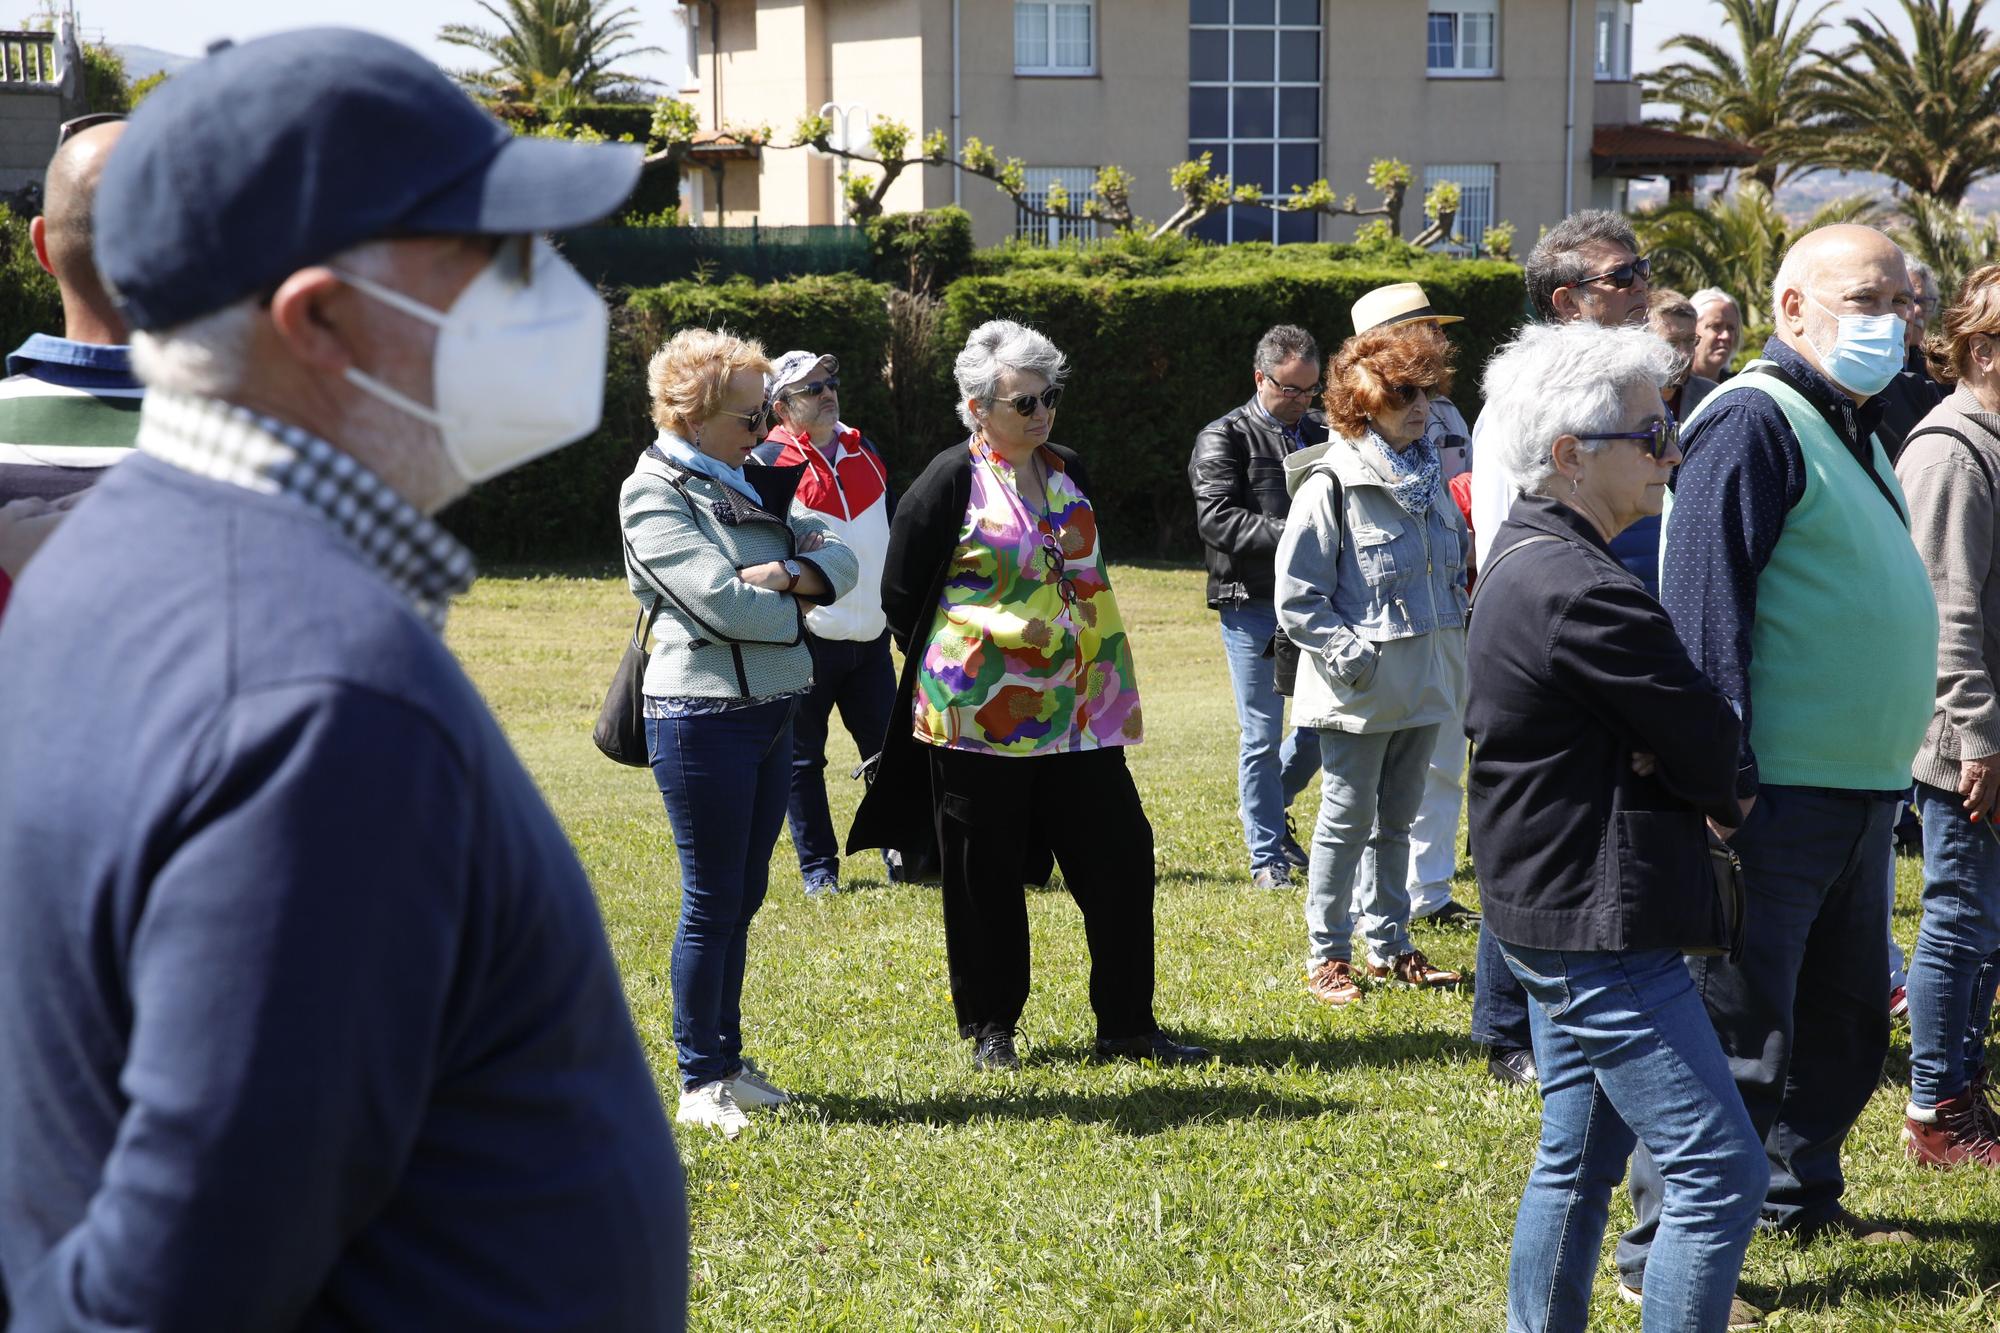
(1868, 351)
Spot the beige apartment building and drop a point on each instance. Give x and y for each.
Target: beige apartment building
(1529, 105)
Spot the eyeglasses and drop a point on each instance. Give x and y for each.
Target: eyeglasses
(1059, 568)
(1024, 403)
(755, 422)
(1622, 277)
(1402, 395)
(1313, 390)
(1659, 436)
(813, 388)
(69, 129)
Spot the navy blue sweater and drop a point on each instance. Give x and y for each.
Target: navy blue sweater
(307, 1017)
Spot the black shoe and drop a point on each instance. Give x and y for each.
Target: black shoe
(1516, 1067)
(1453, 913)
(1157, 1046)
(1295, 856)
(995, 1050)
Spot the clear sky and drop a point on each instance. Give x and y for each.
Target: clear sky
(185, 27)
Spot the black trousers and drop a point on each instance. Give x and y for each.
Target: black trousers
(993, 814)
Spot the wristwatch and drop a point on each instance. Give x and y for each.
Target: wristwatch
(794, 570)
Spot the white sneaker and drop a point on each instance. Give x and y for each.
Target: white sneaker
(712, 1104)
(752, 1090)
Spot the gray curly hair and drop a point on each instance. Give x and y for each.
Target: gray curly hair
(994, 348)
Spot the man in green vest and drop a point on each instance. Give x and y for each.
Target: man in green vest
(69, 406)
(1788, 570)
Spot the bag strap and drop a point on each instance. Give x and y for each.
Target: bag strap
(1487, 573)
(1985, 469)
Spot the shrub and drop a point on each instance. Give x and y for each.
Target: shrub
(922, 253)
(29, 301)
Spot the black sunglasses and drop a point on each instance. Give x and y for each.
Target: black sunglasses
(757, 422)
(813, 388)
(1058, 567)
(1658, 437)
(1024, 403)
(1622, 277)
(1402, 395)
(70, 128)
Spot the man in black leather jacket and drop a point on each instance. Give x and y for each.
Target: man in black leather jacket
(1240, 503)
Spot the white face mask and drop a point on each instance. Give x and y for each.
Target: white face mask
(518, 370)
(1867, 350)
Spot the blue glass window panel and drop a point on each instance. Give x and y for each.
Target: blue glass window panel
(1250, 224)
(1298, 57)
(1256, 112)
(1298, 11)
(1214, 227)
(1298, 113)
(1220, 160)
(1256, 55)
(1298, 164)
(1208, 11)
(1294, 228)
(1443, 41)
(1256, 11)
(1208, 55)
(1250, 164)
(1208, 113)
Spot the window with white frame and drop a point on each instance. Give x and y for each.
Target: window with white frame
(1462, 39)
(1080, 183)
(1254, 105)
(1475, 204)
(1614, 40)
(1055, 38)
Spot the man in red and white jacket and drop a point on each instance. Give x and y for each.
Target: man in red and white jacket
(846, 483)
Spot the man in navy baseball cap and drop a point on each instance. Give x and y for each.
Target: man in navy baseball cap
(306, 1010)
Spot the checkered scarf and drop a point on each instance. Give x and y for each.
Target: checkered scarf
(225, 442)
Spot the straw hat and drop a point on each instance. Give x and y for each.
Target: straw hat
(1398, 303)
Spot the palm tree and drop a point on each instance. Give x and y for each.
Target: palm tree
(1735, 243)
(1927, 115)
(1951, 242)
(553, 51)
(1757, 95)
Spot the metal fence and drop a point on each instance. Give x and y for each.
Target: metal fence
(648, 256)
(28, 57)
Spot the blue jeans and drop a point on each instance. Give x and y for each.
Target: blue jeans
(1372, 783)
(1627, 1055)
(860, 680)
(1272, 767)
(1804, 1018)
(723, 777)
(1958, 949)
(1499, 1005)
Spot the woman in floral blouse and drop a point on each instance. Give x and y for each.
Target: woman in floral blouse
(997, 592)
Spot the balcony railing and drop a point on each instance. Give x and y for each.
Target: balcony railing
(28, 58)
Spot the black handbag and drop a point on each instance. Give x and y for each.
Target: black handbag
(1727, 868)
(621, 723)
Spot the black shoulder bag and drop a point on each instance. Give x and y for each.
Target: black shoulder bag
(621, 723)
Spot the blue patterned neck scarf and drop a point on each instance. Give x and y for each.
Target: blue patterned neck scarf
(1415, 470)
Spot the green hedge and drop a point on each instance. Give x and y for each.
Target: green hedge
(567, 504)
(1153, 360)
(29, 301)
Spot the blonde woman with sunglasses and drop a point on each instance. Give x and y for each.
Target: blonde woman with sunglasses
(727, 565)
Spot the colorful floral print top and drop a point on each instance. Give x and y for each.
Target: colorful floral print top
(1025, 659)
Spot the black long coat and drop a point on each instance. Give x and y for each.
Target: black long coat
(1573, 668)
(898, 810)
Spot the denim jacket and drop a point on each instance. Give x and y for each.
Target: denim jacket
(1373, 597)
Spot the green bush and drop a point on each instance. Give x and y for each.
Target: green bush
(567, 504)
(1155, 359)
(921, 252)
(29, 301)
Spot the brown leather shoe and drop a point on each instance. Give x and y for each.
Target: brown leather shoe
(1413, 969)
(1332, 982)
(1867, 1230)
(1952, 1133)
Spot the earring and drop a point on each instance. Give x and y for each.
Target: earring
(1573, 482)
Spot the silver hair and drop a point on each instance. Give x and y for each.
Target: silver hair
(1557, 261)
(1563, 379)
(1285, 342)
(993, 349)
(206, 356)
(1709, 296)
(1918, 269)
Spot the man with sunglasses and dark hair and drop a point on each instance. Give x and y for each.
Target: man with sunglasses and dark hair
(1240, 502)
(1587, 269)
(69, 407)
(845, 483)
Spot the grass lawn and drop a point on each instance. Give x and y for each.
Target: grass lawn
(1337, 1170)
